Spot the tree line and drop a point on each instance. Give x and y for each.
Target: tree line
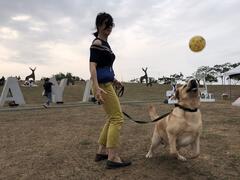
(211, 74)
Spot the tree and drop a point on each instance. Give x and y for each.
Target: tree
(135, 80)
(206, 72)
(70, 78)
(166, 80)
(60, 76)
(177, 77)
(235, 65)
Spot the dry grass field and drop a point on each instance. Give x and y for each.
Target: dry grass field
(60, 142)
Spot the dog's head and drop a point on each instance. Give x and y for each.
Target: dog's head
(189, 94)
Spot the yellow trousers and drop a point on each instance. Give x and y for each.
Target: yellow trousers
(110, 133)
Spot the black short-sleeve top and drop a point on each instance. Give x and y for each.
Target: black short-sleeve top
(48, 87)
(102, 54)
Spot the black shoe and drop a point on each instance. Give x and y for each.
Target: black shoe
(45, 105)
(114, 165)
(100, 157)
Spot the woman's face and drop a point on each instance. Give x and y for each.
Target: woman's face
(105, 28)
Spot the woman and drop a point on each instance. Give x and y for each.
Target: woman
(102, 75)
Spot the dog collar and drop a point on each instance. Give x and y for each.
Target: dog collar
(186, 109)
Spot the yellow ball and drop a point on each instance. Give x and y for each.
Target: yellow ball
(197, 43)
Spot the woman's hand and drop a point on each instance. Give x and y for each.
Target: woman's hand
(98, 94)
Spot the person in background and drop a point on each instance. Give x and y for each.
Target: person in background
(47, 92)
(102, 75)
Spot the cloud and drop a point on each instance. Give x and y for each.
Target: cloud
(8, 33)
(21, 18)
(6, 54)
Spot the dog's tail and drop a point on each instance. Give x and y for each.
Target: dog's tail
(152, 112)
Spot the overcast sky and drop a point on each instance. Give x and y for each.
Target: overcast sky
(55, 35)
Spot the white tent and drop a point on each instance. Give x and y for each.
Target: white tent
(231, 74)
(237, 102)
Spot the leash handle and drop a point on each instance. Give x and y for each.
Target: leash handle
(119, 89)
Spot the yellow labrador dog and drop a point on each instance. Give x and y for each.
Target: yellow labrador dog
(182, 127)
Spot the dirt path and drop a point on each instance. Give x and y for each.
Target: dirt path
(60, 143)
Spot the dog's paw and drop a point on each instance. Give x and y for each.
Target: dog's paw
(181, 158)
(149, 155)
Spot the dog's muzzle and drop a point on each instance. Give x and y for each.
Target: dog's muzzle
(193, 85)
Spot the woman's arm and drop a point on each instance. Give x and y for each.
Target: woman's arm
(93, 73)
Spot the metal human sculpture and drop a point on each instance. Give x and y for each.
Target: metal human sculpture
(150, 82)
(145, 76)
(31, 75)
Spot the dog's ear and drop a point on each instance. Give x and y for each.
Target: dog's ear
(177, 94)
